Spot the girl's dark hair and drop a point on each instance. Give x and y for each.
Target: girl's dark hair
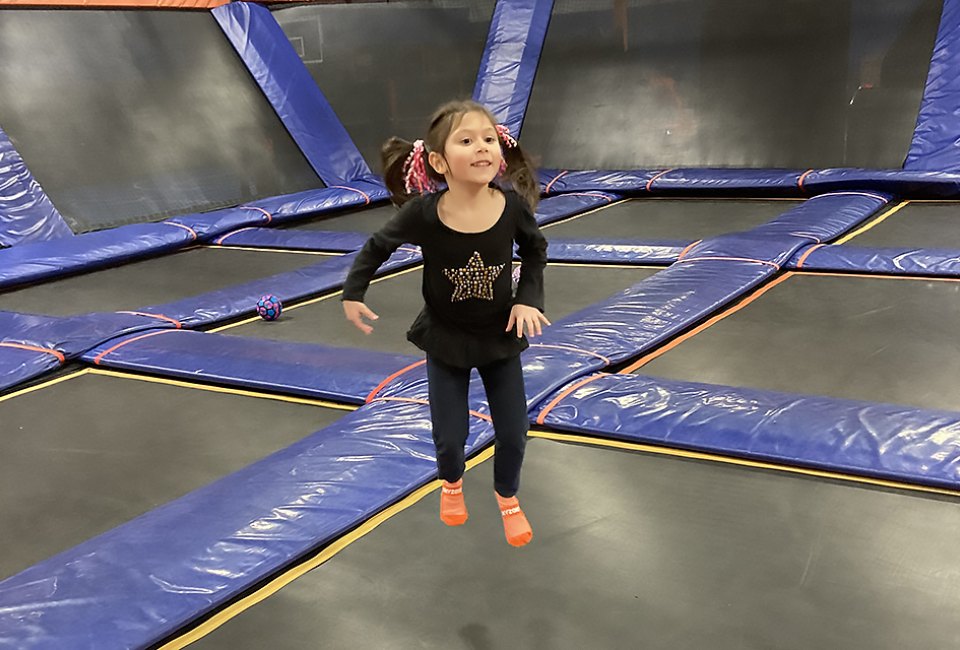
(520, 172)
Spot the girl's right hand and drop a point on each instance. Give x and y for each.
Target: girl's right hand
(356, 311)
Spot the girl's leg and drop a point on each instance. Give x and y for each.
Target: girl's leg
(503, 381)
(449, 413)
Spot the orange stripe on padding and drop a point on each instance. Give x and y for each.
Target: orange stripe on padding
(556, 400)
(687, 249)
(96, 359)
(554, 180)
(658, 175)
(807, 254)
(174, 321)
(261, 211)
(353, 189)
(386, 381)
(413, 400)
(193, 233)
(803, 177)
(34, 348)
(680, 339)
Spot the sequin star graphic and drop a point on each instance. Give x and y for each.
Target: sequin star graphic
(474, 280)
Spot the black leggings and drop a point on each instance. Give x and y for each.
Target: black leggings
(503, 382)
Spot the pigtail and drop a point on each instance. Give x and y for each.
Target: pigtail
(393, 155)
(406, 171)
(519, 172)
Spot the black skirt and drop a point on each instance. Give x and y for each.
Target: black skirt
(459, 348)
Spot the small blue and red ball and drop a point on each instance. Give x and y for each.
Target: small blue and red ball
(269, 307)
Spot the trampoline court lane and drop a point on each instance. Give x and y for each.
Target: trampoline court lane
(654, 219)
(875, 338)
(154, 281)
(93, 449)
(669, 552)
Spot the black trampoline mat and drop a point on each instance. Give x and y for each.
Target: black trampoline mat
(634, 551)
(923, 224)
(665, 219)
(730, 83)
(385, 67)
(127, 116)
(878, 339)
(153, 281)
(398, 300)
(364, 220)
(88, 454)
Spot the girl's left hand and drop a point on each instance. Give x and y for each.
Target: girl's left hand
(526, 318)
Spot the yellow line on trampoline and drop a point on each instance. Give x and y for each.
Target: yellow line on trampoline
(871, 224)
(326, 554)
(46, 384)
(326, 296)
(222, 389)
(741, 462)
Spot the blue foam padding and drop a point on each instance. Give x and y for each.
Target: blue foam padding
(209, 225)
(935, 145)
(66, 338)
(624, 252)
(71, 335)
(26, 214)
(910, 183)
(555, 208)
(653, 310)
(316, 371)
(781, 182)
(140, 582)
(824, 217)
(290, 207)
(241, 299)
(556, 181)
(880, 440)
(893, 261)
(307, 240)
(36, 261)
(287, 84)
(510, 58)
(18, 365)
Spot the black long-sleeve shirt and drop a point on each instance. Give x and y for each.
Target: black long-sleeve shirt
(467, 284)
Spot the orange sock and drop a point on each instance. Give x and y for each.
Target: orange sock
(453, 510)
(515, 524)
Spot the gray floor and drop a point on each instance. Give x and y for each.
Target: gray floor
(934, 224)
(665, 219)
(359, 220)
(634, 551)
(88, 454)
(398, 300)
(876, 339)
(153, 281)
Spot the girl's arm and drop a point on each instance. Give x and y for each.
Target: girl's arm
(532, 249)
(527, 312)
(403, 228)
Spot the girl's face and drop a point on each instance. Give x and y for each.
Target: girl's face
(471, 152)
